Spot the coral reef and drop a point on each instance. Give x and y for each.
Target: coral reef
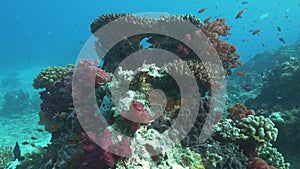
(133, 134)
(18, 103)
(282, 106)
(284, 80)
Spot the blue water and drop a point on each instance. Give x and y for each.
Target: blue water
(42, 33)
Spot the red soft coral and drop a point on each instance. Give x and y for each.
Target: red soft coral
(258, 163)
(239, 111)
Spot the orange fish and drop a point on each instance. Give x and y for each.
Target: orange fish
(241, 74)
(202, 10)
(239, 15)
(256, 32)
(239, 62)
(207, 20)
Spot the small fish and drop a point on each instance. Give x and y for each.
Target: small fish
(282, 40)
(247, 87)
(241, 74)
(32, 145)
(256, 32)
(202, 10)
(286, 16)
(33, 138)
(239, 15)
(263, 16)
(239, 62)
(25, 143)
(207, 20)
(40, 130)
(245, 2)
(278, 28)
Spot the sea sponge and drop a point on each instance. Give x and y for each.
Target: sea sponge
(258, 127)
(51, 75)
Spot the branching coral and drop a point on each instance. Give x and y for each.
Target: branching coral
(272, 156)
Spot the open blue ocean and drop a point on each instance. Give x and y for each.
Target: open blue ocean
(150, 84)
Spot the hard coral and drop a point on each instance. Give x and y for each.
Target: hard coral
(239, 111)
(50, 76)
(263, 129)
